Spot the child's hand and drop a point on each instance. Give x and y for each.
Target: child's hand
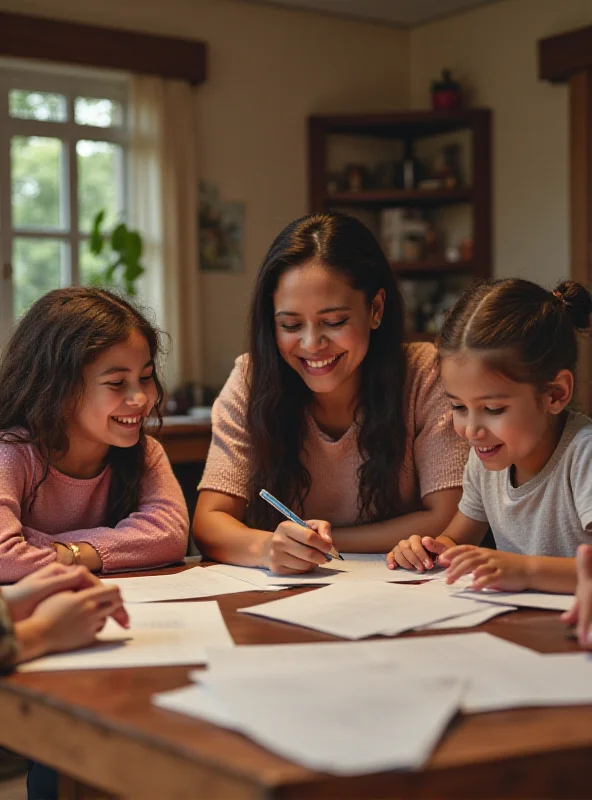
(580, 613)
(492, 569)
(24, 597)
(416, 552)
(67, 620)
(292, 548)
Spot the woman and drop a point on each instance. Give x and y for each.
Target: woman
(330, 411)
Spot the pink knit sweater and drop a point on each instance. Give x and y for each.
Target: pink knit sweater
(434, 460)
(72, 510)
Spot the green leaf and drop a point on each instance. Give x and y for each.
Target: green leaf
(95, 243)
(98, 219)
(119, 237)
(133, 246)
(133, 271)
(96, 240)
(110, 271)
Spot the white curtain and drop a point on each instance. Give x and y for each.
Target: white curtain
(163, 207)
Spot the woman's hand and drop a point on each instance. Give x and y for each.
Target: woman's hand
(67, 620)
(580, 614)
(416, 552)
(292, 548)
(24, 597)
(492, 569)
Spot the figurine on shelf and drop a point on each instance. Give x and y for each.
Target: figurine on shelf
(446, 93)
(356, 177)
(445, 172)
(409, 170)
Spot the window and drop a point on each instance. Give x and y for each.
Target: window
(63, 141)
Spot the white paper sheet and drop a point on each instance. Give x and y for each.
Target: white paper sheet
(335, 722)
(449, 650)
(160, 634)
(552, 602)
(356, 610)
(186, 585)
(196, 701)
(470, 620)
(498, 674)
(355, 567)
(554, 680)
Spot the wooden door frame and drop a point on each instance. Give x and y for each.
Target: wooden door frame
(567, 59)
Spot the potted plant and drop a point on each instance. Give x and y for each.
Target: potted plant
(446, 93)
(122, 250)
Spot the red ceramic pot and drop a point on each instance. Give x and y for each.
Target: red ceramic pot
(446, 100)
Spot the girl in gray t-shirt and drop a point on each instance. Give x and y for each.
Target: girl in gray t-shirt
(508, 353)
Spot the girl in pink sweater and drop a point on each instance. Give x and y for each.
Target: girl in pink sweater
(80, 482)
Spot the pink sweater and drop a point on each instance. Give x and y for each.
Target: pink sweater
(72, 510)
(434, 460)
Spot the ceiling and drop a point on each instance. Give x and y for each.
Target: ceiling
(394, 12)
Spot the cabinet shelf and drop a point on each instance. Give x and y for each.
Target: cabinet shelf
(399, 197)
(337, 142)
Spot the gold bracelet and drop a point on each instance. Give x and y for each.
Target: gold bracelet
(75, 550)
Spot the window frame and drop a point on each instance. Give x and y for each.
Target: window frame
(71, 84)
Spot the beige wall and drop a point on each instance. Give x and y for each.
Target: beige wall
(494, 50)
(268, 69)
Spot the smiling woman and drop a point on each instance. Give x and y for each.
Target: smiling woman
(79, 480)
(330, 411)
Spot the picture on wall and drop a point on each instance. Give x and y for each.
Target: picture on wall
(221, 231)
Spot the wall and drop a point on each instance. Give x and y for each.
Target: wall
(494, 50)
(268, 70)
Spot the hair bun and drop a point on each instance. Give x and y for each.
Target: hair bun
(577, 301)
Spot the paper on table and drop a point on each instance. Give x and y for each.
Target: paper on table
(354, 732)
(449, 650)
(553, 602)
(264, 579)
(196, 701)
(498, 674)
(159, 634)
(185, 585)
(469, 620)
(354, 567)
(355, 610)
(554, 680)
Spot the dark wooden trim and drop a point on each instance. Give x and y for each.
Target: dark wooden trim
(580, 212)
(317, 167)
(482, 194)
(565, 54)
(412, 123)
(88, 45)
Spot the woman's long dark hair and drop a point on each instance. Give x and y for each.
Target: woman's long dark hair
(41, 380)
(278, 397)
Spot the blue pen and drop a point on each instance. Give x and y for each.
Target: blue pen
(273, 501)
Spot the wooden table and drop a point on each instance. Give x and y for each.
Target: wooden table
(100, 728)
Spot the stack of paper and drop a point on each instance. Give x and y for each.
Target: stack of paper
(337, 721)
(546, 600)
(347, 718)
(356, 610)
(186, 585)
(354, 567)
(159, 634)
(497, 674)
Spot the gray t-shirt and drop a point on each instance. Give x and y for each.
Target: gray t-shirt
(546, 516)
